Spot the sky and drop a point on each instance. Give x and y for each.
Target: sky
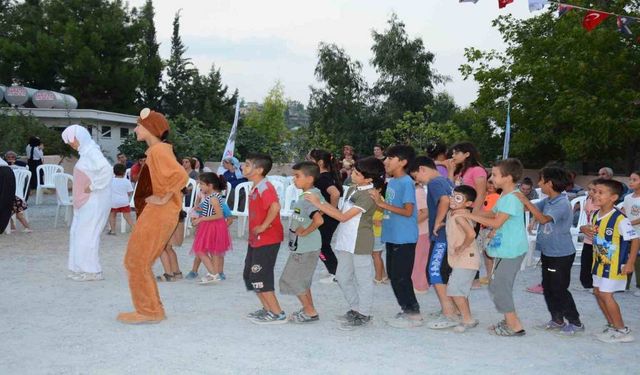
(257, 43)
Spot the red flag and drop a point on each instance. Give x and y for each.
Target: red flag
(593, 18)
(503, 3)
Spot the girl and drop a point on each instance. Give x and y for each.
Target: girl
(464, 168)
(35, 154)
(419, 274)
(331, 190)
(18, 209)
(490, 200)
(586, 258)
(437, 151)
(212, 236)
(378, 245)
(92, 176)
(159, 192)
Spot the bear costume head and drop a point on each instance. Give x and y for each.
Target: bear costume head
(154, 122)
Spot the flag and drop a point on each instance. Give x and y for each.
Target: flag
(468, 1)
(504, 3)
(537, 5)
(623, 25)
(563, 9)
(593, 18)
(231, 141)
(507, 134)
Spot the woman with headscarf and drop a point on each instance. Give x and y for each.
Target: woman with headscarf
(162, 180)
(92, 176)
(233, 175)
(7, 194)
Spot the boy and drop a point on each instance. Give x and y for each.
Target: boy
(121, 191)
(304, 244)
(439, 188)
(508, 245)
(554, 241)
(355, 241)
(615, 248)
(462, 254)
(400, 233)
(265, 236)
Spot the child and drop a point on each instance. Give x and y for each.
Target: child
(424, 171)
(18, 208)
(354, 241)
(378, 247)
(400, 233)
(419, 273)
(508, 246)
(554, 241)
(121, 191)
(304, 243)
(490, 200)
(586, 258)
(615, 248)
(462, 254)
(265, 236)
(212, 235)
(169, 258)
(631, 208)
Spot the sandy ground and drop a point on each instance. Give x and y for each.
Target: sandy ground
(51, 325)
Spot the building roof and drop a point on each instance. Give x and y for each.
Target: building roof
(79, 114)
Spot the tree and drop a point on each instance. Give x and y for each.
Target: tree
(339, 107)
(149, 93)
(180, 74)
(572, 92)
(208, 100)
(15, 130)
(415, 130)
(406, 78)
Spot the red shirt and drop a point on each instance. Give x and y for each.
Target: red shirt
(135, 171)
(262, 196)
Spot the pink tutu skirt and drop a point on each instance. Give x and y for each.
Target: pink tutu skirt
(212, 237)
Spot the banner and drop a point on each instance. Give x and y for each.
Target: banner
(231, 141)
(592, 19)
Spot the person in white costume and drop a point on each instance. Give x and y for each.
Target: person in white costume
(92, 176)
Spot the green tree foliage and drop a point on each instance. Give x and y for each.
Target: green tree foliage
(339, 106)
(149, 93)
(573, 93)
(15, 130)
(208, 101)
(180, 74)
(406, 78)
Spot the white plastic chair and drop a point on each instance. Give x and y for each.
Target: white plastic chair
(241, 212)
(123, 222)
(23, 178)
(61, 184)
(227, 193)
(575, 230)
(46, 181)
(187, 204)
(529, 259)
(291, 195)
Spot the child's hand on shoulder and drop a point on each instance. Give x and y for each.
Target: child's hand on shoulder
(521, 196)
(375, 195)
(312, 198)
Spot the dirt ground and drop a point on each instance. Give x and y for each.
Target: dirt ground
(51, 325)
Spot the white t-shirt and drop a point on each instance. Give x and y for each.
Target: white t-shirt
(632, 209)
(120, 189)
(37, 153)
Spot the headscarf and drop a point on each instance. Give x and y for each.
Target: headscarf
(81, 134)
(236, 164)
(154, 122)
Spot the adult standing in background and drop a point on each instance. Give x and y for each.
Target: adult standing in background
(92, 177)
(122, 159)
(35, 155)
(136, 168)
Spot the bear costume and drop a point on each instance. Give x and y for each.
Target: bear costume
(161, 177)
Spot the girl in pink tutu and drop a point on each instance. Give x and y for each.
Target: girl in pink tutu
(212, 236)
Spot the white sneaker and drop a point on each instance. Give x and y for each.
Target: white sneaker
(617, 335)
(328, 280)
(88, 276)
(210, 279)
(637, 293)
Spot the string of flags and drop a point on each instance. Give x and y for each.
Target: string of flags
(591, 20)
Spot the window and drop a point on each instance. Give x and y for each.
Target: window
(106, 131)
(124, 133)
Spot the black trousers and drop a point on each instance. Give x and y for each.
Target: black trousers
(327, 256)
(586, 259)
(556, 276)
(7, 196)
(399, 268)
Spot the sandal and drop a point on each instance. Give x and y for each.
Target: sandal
(499, 324)
(443, 322)
(177, 275)
(165, 277)
(506, 331)
(462, 327)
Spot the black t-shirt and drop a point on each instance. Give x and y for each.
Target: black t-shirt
(324, 182)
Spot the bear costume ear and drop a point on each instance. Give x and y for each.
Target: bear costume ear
(145, 113)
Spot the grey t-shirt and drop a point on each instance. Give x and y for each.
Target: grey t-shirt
(303, 212)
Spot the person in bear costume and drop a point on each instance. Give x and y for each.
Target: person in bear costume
(158, 201)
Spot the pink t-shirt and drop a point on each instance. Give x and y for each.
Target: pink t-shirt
(470, 175)
(421, 203)
(80, 182)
